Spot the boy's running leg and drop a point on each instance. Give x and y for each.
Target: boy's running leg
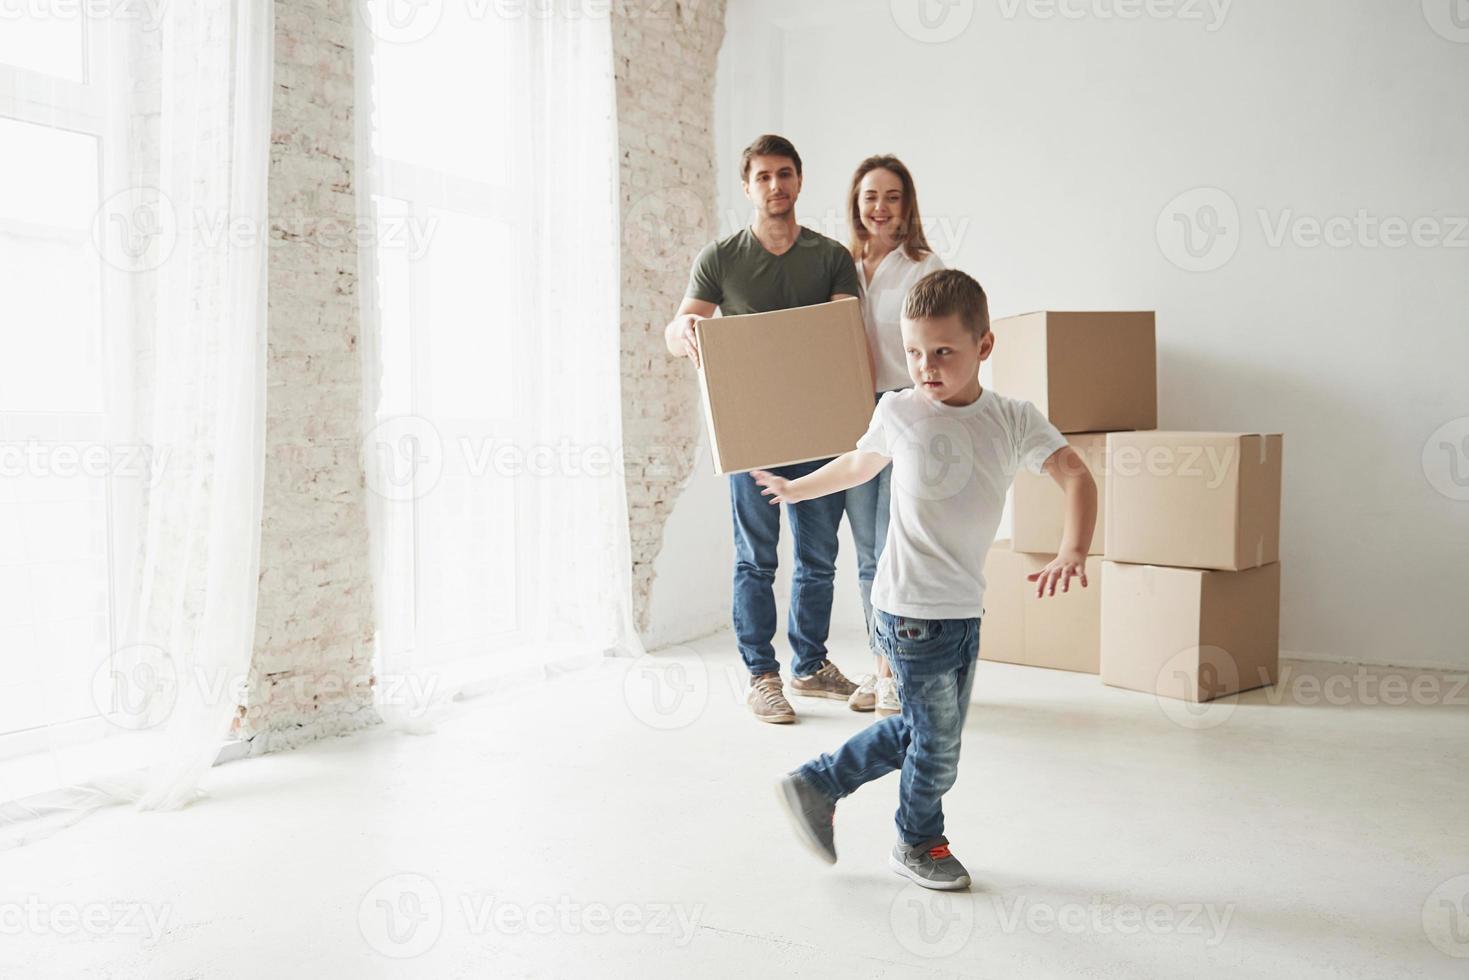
(934, 661)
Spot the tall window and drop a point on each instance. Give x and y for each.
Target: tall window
(490, 322)
(447, 225)
(58, 473)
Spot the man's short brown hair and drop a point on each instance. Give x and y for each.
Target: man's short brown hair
(768, 145)
(946, 292)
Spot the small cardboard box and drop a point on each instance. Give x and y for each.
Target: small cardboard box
(1088, 372)
(1188, 633)
(1061, 631)
(1195, 499)
(1038, 510)
(784, 387)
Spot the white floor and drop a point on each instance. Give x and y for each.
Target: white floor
(622, 823)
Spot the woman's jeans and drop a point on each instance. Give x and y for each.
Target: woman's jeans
(868, 508)
(933, 661)
(867, 514)
(814, 526)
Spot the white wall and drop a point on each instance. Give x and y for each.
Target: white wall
(1047, 148)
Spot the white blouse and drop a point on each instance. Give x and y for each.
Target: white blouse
(882, 312)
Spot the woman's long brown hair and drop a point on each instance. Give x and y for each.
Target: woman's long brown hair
(910, 233)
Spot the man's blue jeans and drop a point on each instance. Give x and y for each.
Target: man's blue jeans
(814, 526)
(933, 661)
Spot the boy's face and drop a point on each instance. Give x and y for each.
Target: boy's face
(944, 358)
(773, 185)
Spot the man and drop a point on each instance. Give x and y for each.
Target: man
(775, 264)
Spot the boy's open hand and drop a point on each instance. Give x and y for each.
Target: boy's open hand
(1059, 569)
(775, 487)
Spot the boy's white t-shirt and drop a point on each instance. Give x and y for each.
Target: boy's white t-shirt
(882, 312)
(951, 469)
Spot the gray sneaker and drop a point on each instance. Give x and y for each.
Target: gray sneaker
(930, 864)
(811, 813)
(825, 682)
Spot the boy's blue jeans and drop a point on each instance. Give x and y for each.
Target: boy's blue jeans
(933, 661)
(814, 526)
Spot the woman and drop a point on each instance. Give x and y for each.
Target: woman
(891, 253)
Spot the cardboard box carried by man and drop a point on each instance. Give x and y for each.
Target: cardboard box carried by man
(784, 387)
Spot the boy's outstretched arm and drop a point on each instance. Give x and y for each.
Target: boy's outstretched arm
(1069, 470)
(846, 471)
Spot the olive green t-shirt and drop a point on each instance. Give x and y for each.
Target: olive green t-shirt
(739, 275)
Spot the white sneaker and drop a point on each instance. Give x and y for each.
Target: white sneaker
(865, 697)
(887, 698)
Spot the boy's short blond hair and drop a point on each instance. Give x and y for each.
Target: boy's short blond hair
(947, 292)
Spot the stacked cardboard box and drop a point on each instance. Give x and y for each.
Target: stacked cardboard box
(1191, 584)
(1090, 373)
(1187, 602)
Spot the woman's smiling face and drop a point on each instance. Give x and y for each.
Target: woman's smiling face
(880, 203)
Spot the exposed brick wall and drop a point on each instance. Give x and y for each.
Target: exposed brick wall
(313, 641)
(665, 58)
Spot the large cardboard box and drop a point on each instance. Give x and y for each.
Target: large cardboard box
(1196, 499)
(1061, 631)
(1189, 633)
(1088, 372)
(1038, 508)
(1002, 627)
(785, 387)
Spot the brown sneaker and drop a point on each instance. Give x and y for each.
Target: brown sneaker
(826, 682)
(768, 701)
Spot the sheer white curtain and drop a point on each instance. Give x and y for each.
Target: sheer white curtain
(133, 224)
(492, 422)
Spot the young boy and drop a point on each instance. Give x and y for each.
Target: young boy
(954, 448)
